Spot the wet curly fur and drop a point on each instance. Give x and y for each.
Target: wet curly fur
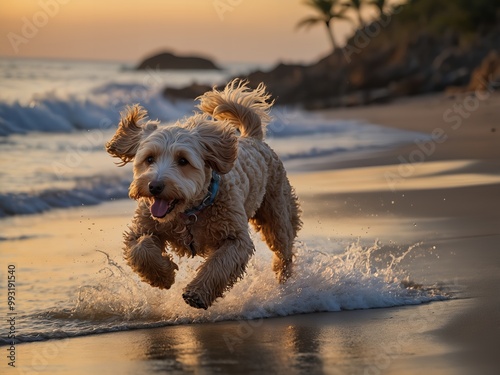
(172, 172)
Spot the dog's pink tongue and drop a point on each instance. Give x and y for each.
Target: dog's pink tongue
(160, 207)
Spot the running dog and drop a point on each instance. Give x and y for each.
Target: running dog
(198, 183)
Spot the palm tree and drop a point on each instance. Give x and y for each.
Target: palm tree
(356, 4)
(328, 11)
(380, 4)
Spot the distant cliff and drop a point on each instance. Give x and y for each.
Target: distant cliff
(167, 60)
(424, 46)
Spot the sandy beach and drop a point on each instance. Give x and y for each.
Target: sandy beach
(441, 196)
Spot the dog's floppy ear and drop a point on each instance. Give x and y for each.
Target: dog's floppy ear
(219, 144)
(125, 142)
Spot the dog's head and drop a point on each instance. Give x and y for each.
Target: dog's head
(172, 164)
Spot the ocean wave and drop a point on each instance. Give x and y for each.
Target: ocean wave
(87, 191)
(358, 277)
(54, 115)
(100, 109)
(18, 238)
(293, 122)
(315, 152)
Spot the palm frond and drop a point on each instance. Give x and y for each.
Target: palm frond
(309, 21)
(323, 6)
(380, 4)
(356, 4)
(326, 11)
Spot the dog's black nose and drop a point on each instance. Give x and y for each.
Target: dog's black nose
(156, 187)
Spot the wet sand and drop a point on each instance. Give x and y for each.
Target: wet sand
(449, 200)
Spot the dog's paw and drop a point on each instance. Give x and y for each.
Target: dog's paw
(161, 276)
(151, 264)
(158, 282)
(194, 300)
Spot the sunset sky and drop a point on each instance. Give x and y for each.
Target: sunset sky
(125, 30)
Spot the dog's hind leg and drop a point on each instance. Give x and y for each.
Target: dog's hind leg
(278, 220)
(220, 271)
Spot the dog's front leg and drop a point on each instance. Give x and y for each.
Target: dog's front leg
(220, 271)
(145, 254)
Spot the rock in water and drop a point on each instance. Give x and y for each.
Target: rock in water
(167, 60)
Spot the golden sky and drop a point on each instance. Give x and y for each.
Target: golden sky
(128, 30)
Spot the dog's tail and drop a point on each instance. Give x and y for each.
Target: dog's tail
(245, 109)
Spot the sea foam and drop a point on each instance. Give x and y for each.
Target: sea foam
(327, 279)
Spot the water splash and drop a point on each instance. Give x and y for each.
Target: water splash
(359, 277)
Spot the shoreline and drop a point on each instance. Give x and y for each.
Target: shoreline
(465, 127)
(449, 201)
(465, 217)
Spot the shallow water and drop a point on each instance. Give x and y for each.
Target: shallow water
(63, 207)
(53, 130)
(79, 285)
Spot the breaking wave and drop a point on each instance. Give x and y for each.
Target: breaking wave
(85, 192)
(360, 277)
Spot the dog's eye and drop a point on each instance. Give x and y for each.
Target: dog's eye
(150, 160)
(182, 162)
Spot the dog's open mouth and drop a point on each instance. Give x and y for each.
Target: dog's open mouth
(161, 207)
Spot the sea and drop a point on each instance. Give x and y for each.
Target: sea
(55, 117)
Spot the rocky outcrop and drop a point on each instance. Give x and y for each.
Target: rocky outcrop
(186, 93)
(403, 57)
(424, 64)
(167, 60)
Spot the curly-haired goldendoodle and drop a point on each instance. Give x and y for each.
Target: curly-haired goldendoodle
(198, 183)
